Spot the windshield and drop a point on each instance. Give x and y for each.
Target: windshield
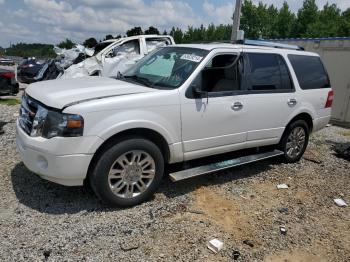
(169, 67)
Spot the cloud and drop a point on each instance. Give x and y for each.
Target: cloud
(107, 16)
(221, 14)
(2, 2)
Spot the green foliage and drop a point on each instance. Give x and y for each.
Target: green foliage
(152, 31)
(28, 50)
(134, 31)
(90, 42)
(67, 44)
(10, 101)
(108, 37)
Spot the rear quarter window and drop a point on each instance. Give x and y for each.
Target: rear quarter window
(310, 72)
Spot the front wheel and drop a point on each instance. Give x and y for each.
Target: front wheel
(294, 141)
(128, 173)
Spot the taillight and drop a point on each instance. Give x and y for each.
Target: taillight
(329, 99)
(8, 75)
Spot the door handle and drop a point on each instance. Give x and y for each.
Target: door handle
(237, 106)
(292, 102)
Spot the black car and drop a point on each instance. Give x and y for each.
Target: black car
(8, 83)
(28, 70)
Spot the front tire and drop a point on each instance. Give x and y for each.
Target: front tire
(295, 140)
(128, 173)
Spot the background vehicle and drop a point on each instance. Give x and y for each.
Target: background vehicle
(180, 103)
(8, 83)
(6, 61)
(28, 70)
(113, 56)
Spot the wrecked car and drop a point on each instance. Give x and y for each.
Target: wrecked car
(28, 70)
(8, 83)
(117, 55)
(53, 68)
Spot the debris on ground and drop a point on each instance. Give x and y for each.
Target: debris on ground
(283, 210)
(282, 186)
(340, 202)
(312, 156)
(215, 245)
(236, 254)
(248, 242)
(283, 230)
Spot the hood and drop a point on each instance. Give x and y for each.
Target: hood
(62, 93)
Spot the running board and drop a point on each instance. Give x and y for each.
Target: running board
(202, 170)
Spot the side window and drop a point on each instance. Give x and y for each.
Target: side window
(286, 81)
(128, 48)
(155, 43)
(265, 72)
(310, 71)
(221, 74)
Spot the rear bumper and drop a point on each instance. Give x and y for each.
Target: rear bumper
(320, 123)
(40, 158)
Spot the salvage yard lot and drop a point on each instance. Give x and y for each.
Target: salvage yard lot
(242, 207)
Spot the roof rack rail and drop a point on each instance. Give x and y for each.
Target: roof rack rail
(272, 44)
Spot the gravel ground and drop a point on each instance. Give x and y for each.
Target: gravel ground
(242, 207)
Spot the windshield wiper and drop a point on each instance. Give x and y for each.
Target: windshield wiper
(142, 80)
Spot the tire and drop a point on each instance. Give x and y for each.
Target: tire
(294, 141)
(138, 167)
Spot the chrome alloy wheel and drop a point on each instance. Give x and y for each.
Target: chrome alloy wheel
(131, 174)
(295, 142)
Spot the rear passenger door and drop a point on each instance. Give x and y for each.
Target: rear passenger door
(270, 97)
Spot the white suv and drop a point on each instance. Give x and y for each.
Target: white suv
(177, 104)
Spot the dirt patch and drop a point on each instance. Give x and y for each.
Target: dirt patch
(225, 213)
(295, 256)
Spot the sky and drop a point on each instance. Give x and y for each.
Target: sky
(51, 21)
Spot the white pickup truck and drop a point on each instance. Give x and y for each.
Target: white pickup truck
(117, 55)
(177, 104)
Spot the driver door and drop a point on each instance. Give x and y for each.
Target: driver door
(215, 124)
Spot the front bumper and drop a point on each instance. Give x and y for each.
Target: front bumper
(60, 160)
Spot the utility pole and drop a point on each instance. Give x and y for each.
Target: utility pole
(237, 35)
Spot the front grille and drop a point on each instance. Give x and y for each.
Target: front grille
(27, 113)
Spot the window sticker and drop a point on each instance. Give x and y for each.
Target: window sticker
(192, 58)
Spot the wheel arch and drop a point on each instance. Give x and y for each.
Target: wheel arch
(145, 133)
(306, 117)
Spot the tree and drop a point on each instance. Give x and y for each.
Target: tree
(344, 29)
(67, 44)
(177, 34)
(165, 32)
(152, 31)
(90, 42)
(134, 31)
(285, 22)
(108, 37)
(307, 16)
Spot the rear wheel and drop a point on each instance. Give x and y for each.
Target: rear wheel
(128, 173)
(295, 141)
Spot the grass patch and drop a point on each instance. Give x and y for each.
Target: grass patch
(345, 133)
(10, 101)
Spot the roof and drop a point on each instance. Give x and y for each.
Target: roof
(310, 39)
(134, 37)
(212, 46)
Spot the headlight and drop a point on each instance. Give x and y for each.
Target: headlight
(50, 124)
